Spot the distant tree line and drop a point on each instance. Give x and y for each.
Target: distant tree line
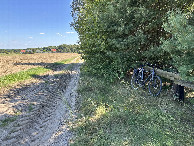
(64, 48)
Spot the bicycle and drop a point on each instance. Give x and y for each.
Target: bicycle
(154, 81)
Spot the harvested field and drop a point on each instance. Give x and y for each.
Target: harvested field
(39, 112)
(16, 63)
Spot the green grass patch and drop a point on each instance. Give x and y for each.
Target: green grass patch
(114, 114)
(11, 54)
(64, 61)
(6, 121)
(21, 76)
(30, 107)
(28, 74)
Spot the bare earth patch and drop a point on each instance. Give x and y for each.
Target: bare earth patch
(38, 112)
(16, 63)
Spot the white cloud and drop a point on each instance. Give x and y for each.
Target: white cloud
(30, 37)
(70, 32)
(42, 33)
(60, 34)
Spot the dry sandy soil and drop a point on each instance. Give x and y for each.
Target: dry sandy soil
(38, 113)
(16, 63)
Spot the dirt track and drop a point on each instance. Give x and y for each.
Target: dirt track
(38, 113)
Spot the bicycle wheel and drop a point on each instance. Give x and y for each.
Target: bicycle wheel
(155, 86)
(134, 81)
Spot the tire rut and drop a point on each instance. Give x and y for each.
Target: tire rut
(44, 109)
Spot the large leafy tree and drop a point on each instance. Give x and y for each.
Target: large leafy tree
(118, 34)
(181, 44)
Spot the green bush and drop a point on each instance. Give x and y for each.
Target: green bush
(116, 35)
(181, 44)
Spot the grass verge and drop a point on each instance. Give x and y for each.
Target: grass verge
(21, 76)
(6, 121)
(114, 114)
(64, 61)
(11, 54)
(30, 73)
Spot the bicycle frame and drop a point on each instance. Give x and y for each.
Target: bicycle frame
(151, 76)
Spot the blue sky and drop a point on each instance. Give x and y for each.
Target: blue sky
(35, 23)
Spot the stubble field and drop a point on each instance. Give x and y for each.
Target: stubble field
(38, 98)
(16, 63)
